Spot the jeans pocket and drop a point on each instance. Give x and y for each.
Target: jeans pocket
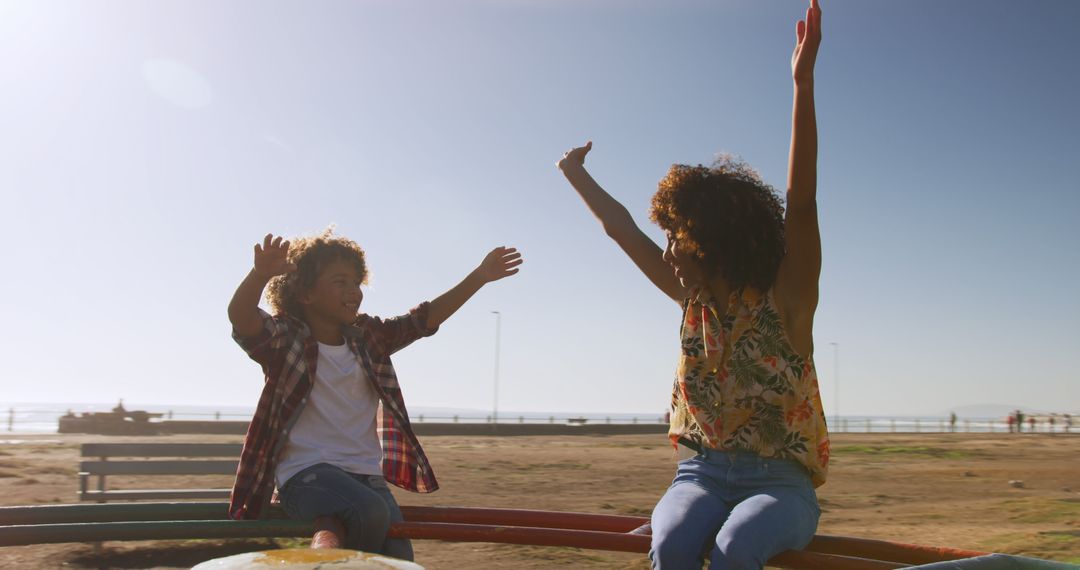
(295, 488)
(378, 482)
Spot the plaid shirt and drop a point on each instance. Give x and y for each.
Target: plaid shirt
(287, 353)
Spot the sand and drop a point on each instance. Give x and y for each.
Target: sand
(939, 489)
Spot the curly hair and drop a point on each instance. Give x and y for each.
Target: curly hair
(726, 217)
(311, 255)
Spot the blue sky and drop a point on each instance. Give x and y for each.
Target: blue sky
(147, 146)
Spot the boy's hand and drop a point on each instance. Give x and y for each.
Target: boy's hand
(501, 262)
(272, 257)
(575, 156)
(807, 40)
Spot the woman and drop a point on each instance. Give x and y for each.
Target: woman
(745, 270)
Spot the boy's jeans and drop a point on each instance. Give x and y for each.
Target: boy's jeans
(363, 503)
(737, 508)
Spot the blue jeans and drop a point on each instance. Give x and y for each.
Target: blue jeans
(737, 508)
(362, 503)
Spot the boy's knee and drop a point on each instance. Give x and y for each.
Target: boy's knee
(367, 526)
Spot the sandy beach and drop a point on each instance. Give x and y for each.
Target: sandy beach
(938, 489)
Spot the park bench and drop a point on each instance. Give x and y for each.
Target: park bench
(144, 460)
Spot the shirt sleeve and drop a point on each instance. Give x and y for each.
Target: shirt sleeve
(394, 334)
(268, 343)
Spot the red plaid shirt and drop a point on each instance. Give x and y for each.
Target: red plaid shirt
(287, 353)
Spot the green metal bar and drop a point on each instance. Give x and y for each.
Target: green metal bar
(166, 530)
(120, 512)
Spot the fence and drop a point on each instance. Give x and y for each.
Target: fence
(44, 420)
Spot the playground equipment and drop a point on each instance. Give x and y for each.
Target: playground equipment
(202, 520)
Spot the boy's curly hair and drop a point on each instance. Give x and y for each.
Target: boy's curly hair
(727, 217)
(311, 255)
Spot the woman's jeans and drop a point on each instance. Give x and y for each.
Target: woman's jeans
(363, 503)
(736, 508)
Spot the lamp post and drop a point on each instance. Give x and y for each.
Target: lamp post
(836, 382)
(498, 334)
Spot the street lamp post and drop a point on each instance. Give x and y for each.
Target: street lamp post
(498, 334)
(836, 382)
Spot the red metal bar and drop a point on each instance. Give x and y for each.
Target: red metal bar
(857, 548)
(517, 526)
(459, 532)
(805, 560)
(887, 550)
(598, 540)
(523, 517)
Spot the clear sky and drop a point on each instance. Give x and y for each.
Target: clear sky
(146, 146)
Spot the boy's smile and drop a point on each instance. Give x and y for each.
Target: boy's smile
(334, 298)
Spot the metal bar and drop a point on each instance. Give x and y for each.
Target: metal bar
(887, 550)
(154, 494)
(157, 530)
(117, 512)
(597, 540)
(161, 449)
(804, 560)
(161, 467)
(523, 517)
(38, 524)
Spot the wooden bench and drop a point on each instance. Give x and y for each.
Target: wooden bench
(154, 459)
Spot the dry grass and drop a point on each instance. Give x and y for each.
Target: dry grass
(940, 489)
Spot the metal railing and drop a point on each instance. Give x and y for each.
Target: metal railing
(45, 420)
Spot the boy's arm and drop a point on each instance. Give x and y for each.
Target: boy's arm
(800, 269)
(619, 225)
(271, 259)
(500, 262)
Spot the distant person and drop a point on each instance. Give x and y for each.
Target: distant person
(746, 398)
(1050, 422)
(1031, 423)
(1068, 423)
(952, 422)
(329, 382)
(1019, 421)
(1011, 420)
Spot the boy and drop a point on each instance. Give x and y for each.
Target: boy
(331, 391)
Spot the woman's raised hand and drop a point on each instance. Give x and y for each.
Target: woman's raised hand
(575, 156)
(807, 40)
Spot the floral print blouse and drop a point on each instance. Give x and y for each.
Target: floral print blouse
(740, 385)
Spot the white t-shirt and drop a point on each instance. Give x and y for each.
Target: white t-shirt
(337, 425)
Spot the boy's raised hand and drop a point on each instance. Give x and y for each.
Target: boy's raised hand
(500, 262)
(272, 257)
(807, 40)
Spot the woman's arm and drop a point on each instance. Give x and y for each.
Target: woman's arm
(797, 279)
(619, 225)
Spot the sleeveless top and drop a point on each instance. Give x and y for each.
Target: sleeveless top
(740, 385)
